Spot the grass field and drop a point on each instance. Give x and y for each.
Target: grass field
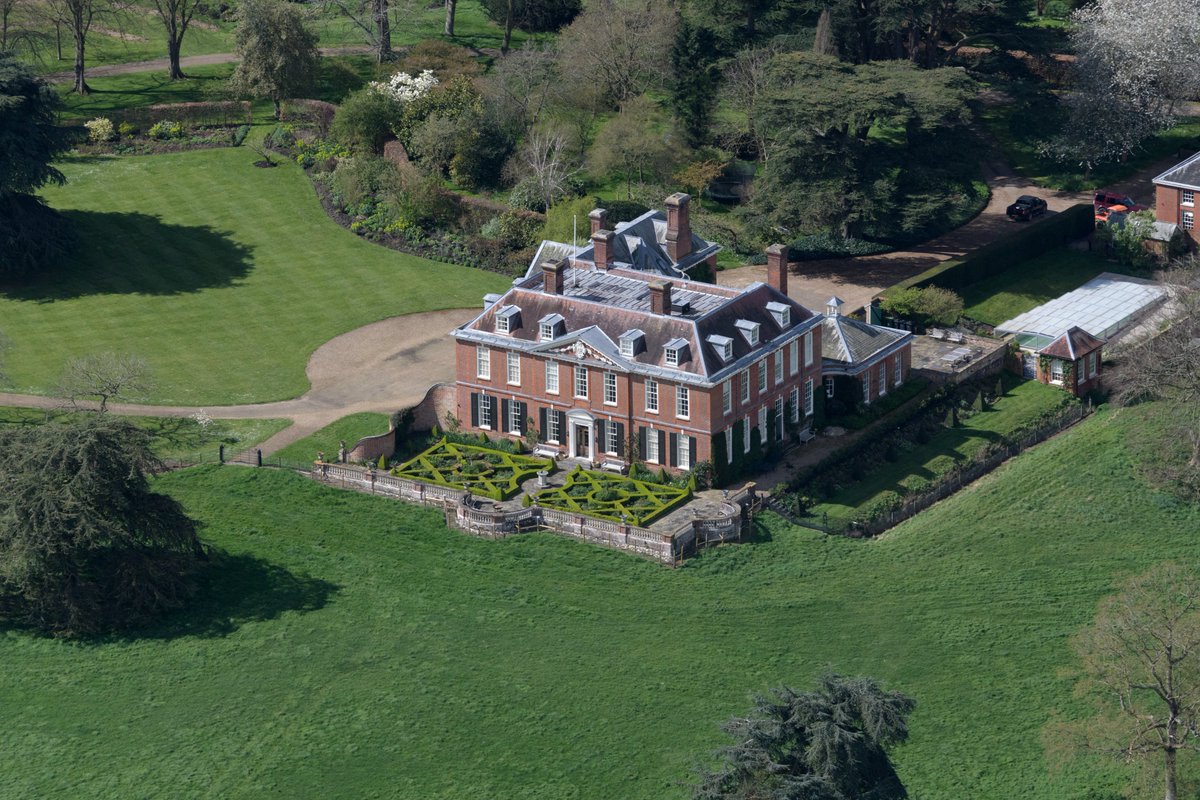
(179, 438)
(1030, 283)
(1023, 402)
(348, 429)
(354, 647)
(223, 277)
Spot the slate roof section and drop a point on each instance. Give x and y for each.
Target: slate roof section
(640, 245)
(1072, 345)
(851, 341)
(1184, 175)
(605, 304)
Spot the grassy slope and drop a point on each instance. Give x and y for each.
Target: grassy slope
(449, 667)
(1031, 283)
(222, 276)
(348, 429)
(178, 437)
(1023, 401)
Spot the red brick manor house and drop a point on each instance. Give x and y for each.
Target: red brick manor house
(613, 354)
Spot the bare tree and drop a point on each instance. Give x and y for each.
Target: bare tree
(176, 15)
(451, 7)
(743, 87)
(16, 29)
(523, 83)
(102, 377)
(546, 165)
(1142, 654)
(621, 47)
(77, 16)
(372, 20)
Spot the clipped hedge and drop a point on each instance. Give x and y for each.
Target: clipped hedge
(1037, 238)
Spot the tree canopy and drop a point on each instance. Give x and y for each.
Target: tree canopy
(85, 545)
(278, 53)
(826, 744)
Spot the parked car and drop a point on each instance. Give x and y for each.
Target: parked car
(1027, 207)
(1106, 214)
(1106, 199)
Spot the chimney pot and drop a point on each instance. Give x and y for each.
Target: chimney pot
(777, 268)
(602, 248)
(552, 276)
(599, 218)
(660, 297)
(679, 228)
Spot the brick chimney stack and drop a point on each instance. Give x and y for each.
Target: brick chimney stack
(679, 228)
(599, 218)
(777, 268)
(660, 297)
(552, 276)
(602, 248)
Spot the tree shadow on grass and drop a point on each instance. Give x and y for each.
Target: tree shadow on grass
(132, 253)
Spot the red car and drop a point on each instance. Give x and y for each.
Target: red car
(1108, 199)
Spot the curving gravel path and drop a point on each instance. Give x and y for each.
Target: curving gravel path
(382, 367)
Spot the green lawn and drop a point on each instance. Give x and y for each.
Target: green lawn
(348, 429)
(1031, 283)
(180, 438)
(356, 648)
(224, 277)
(1022, 402)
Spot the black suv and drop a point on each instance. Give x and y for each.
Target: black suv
(1027, 207)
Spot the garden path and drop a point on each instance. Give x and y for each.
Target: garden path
(155, 64)
(384, 366)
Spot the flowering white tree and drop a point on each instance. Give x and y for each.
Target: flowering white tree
(404, 87)
(1136, 61)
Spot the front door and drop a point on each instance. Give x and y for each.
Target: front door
(583, 444)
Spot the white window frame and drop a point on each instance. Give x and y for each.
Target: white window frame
(627, 348)
(610, 388)
(1189, 220)
(610, 438)
(762, 426)
(898, 369)
(1056, 370)
(726, 398)
(551, 376)
(867, 387)
(546, 331)
(651, 396)
(883, 384)
(672, 356)
(744, 382)
(514, 417)
(1081, 372)
(778, 367)
(1093, 360)
(502, 323)
(808, 349)
(553, 433)
(729, 445)
(513, 360)
(581, 382)
(1187, 198)
(652, 454)
(793, 357)
(762, 375)
(683, 402)
(808, 398)
(483, 363)
(485, 411)
(780, 418)
(683, 451)
(746, 434)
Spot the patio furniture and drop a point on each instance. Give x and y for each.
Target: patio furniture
(955, 337)
(807, 436)
(937, 333)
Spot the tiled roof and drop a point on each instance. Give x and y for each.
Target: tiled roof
(852, 341)
(1185, 175)
(1072, 345)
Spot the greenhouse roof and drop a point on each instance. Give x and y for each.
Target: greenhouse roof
(1103, 307)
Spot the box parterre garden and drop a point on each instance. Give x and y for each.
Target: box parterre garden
(479, 470)
(599, 494)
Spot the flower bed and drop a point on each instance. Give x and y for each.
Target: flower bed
(600, 494)
(479, 470)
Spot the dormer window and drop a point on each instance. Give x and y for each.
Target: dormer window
(749, 330)
(508, 319)
(550, 327)
(677, 352)
(723, 345)
(782, 314)
(632, 343)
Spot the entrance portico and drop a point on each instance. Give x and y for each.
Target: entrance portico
(581, 440)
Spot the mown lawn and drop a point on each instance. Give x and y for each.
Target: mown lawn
(179, 438)
(1022, 402)
(348, 429)
(222, 276)
(356, 648)
(1030, 283)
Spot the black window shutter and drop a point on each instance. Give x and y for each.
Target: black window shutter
(502, 425)
(562, 425)
(662, 446)
(542, 424)
(474, 409)
(642, 442)
(692, 450)
(521, 412)
(620, 439)
(674, 454)
(601, 439)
